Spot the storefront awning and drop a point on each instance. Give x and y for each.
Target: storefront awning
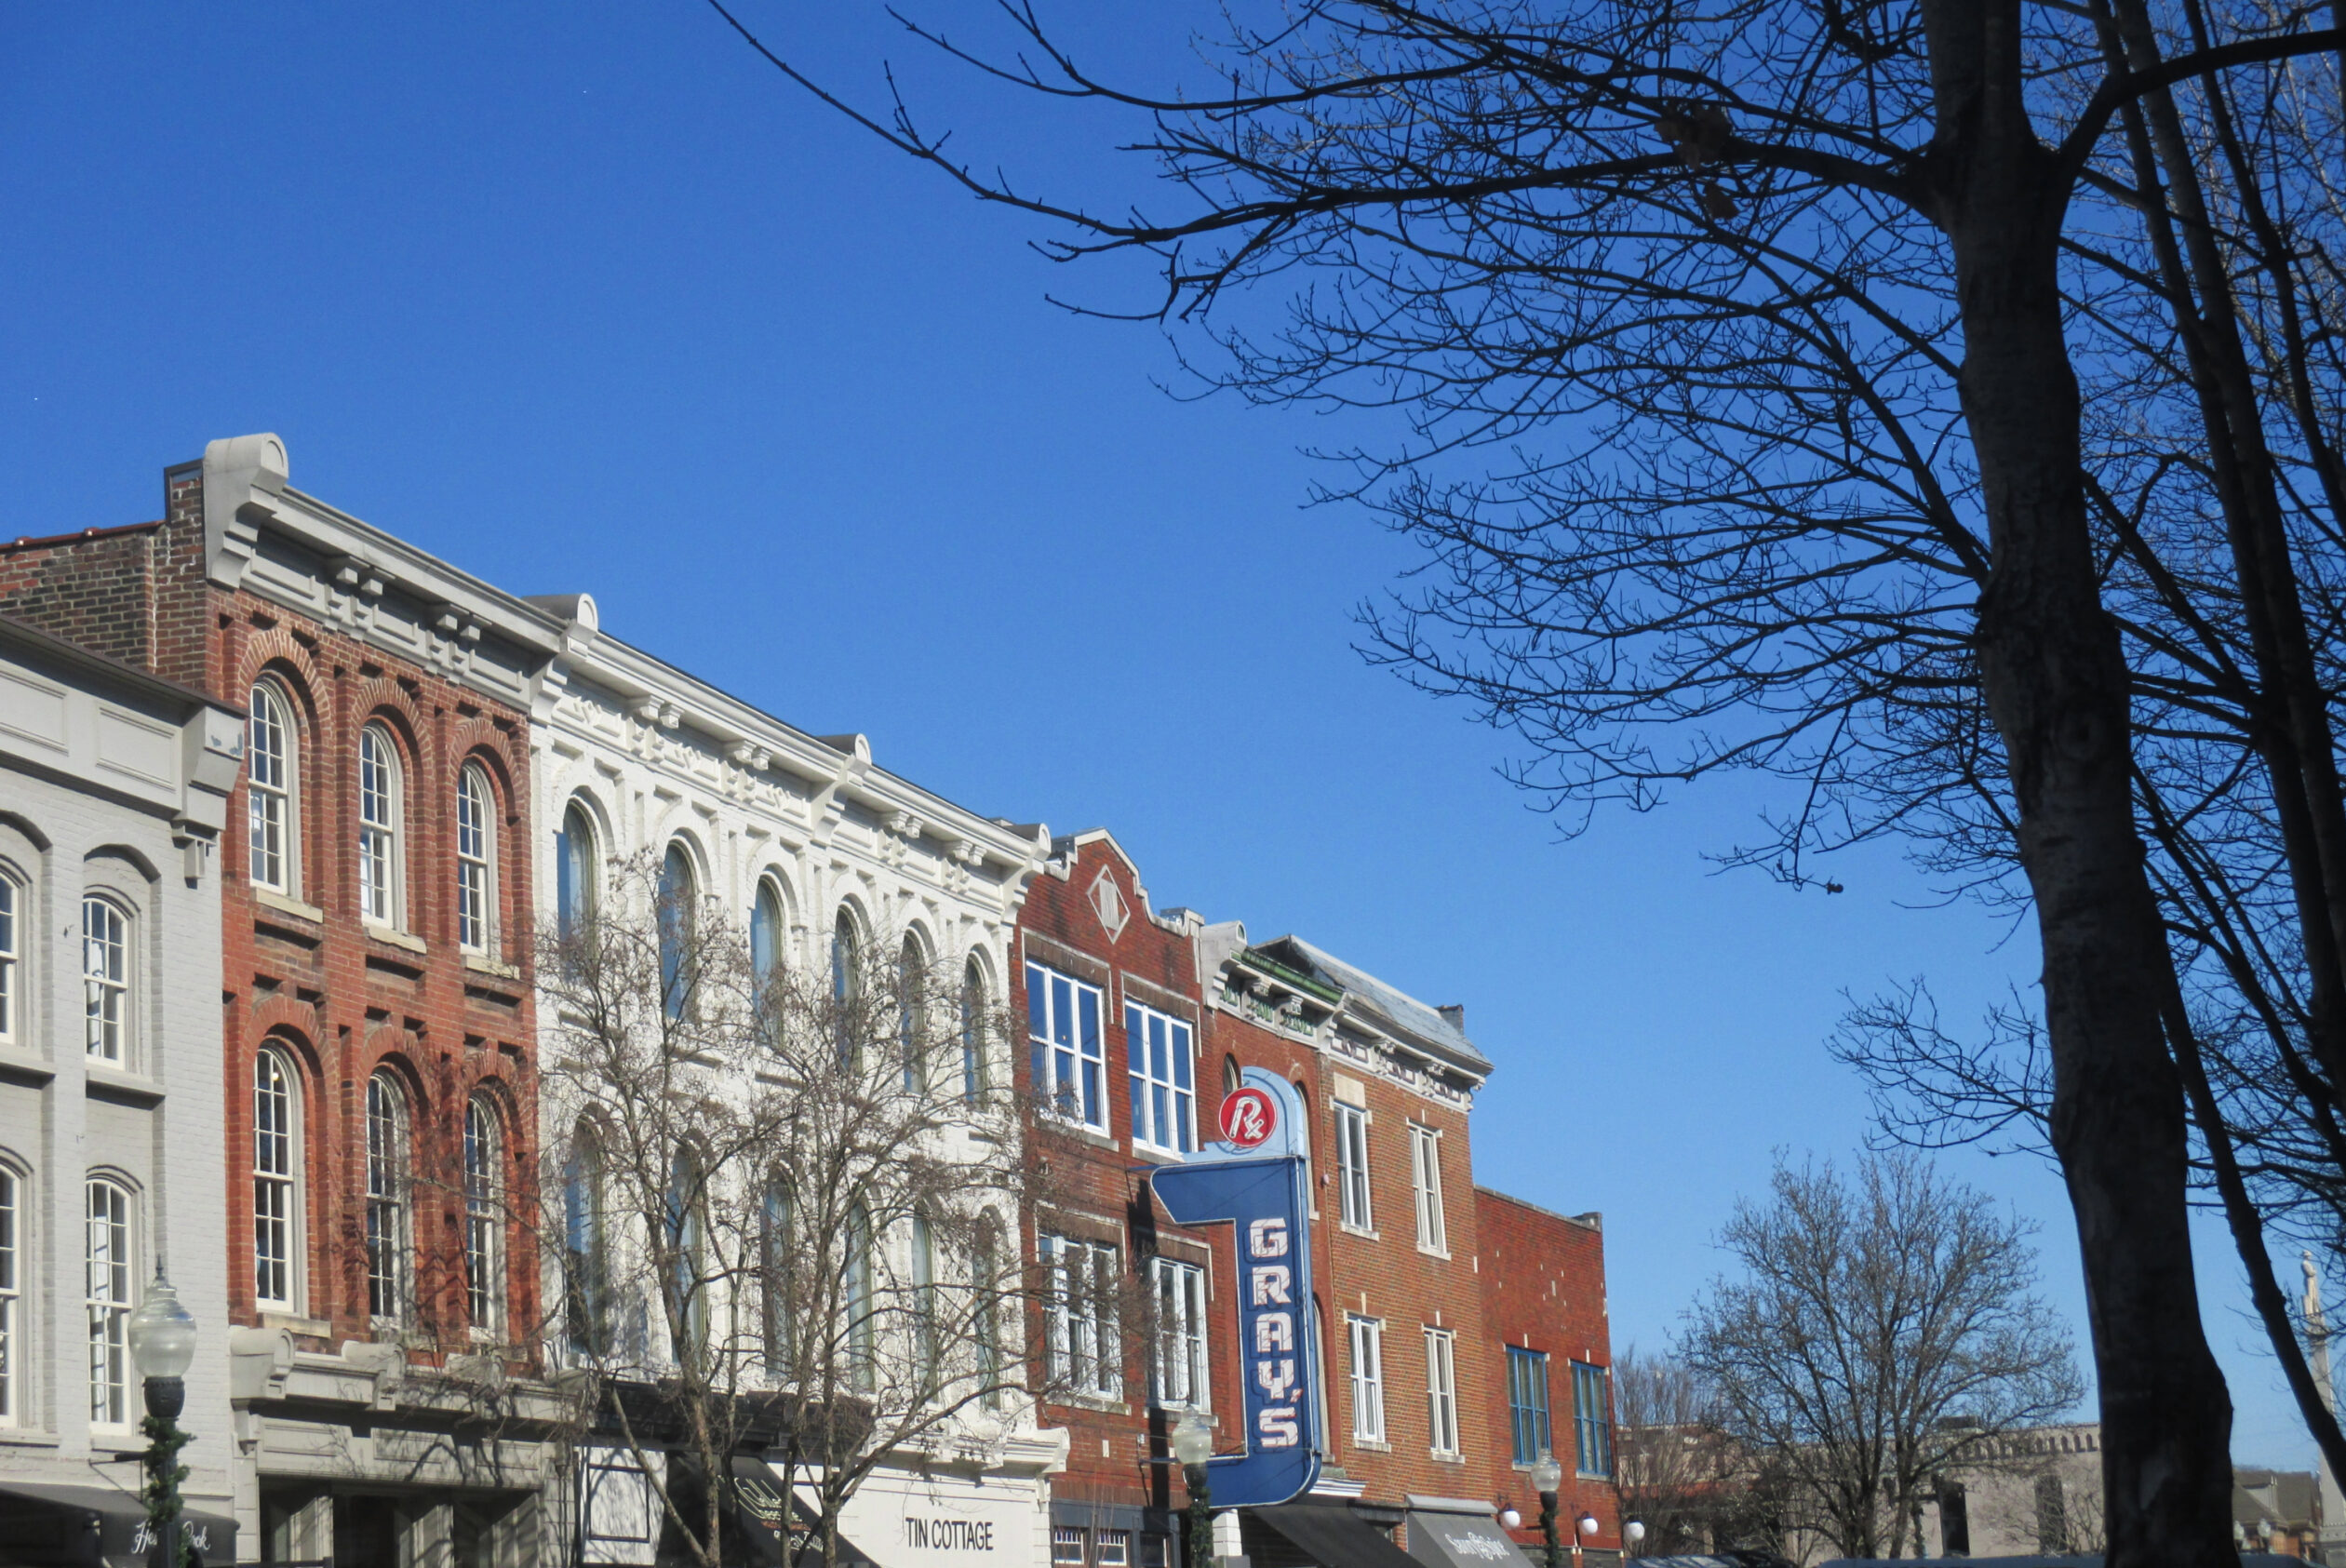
(1326, 1535)
(1460, 1540)
(45, 1526)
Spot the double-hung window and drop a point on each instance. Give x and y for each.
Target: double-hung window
(1063, 1038)
(11, 1347)
(1441, 1392)
(475, 859)
(107, 1276)
(1180, 1363)
(1424, 1185)
(106, 979)
(11, 929)
(1527, 1402)
(1353, 1167)
(1083, 1344)
(1591, 1419)
(276, 1218)
(1368, 1378)
(1164, 1104)
(381, 810)
(270, 758)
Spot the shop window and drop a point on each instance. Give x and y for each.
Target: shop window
(1115, 1550)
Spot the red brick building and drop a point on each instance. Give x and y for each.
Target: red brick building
(378, 1031)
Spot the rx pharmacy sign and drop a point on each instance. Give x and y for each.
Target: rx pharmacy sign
(1252, 1180)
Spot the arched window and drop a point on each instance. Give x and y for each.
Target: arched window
(925, 1329)
(106, 979)
(476, 859)
(382, 813)
(676, 898)
(855, 1296)
(272, 772)
(276, 1190)
(688, 1241)
(11, 952)
(107, 1280)
(585, 1262)
(576, 887)
(484, 1216)
(12, 1287)
(775, 1245)
(1231, 1077)
(911, 1019)
(387, 1230)
(986, 1280)
(973, 1032)
(845, 987)
(765, 951)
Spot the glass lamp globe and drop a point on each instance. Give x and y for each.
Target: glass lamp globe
(1588, 1524)
(1509, 1518)
(1546, 1475)
(1192, 1440)
(162, 1333)
(1633, 1532)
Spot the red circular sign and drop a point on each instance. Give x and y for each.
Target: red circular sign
(1249, 1117)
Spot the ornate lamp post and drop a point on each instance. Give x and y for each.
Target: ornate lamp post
(1547, 1478)
(1192, 1446)
(162, 1335)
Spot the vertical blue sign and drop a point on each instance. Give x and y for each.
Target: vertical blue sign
(1252, 1180)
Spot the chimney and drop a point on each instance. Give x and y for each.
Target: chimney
(1454, 1015)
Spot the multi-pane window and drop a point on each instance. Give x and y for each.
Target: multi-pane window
(1063, 1038)
(105, 978)
(380, 810)
(1425, 1184)
(1527, 1402)
(1082, 1337)
(1113, 1550)
(475, 859)
(857, 1297)
(1441, 1392)
(11, 1237)
(1164, 1103)
(677, 894)
(386, 1197)
(973, 1033)
(1353, 1167)
(1066, 1546)
(574, 883)
(484, 1225)
(11, 896)
(766, 926)
(985, 1278)
(1180, 1362)
(1591, 1419)
(275, 1203)
(270, 764)
(107, 1278)
(911, 1024)
(1368, 1378)
(584, 1258)
(846, 986)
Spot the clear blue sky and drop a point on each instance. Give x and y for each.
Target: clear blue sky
(583, 297)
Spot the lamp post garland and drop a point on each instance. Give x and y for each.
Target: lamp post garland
(162, 1335)
(1192, 1446)
(1547, 1478)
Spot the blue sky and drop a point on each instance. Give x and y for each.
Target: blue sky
(581, 297)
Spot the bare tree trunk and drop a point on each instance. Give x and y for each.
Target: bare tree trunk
(2056, 686)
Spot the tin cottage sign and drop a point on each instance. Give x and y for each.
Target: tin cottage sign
(1252, 1180)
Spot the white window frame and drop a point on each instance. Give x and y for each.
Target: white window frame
(383, 892)
(1067, 1547)
(1367, 1337)
(1441, 1393)
(476, 859)
(1425, 1182)
(975, 1068)
(13, 1252)
(109, 1278)
(1354, 1209)
(1085, 1353)
(1113, 1549)
(13, 899)
(107, 972)
(484, 1217)
(273, 780)
(387, 1221)
(1181, 1373)
(1070, 1070)
(1149, 1035)
(576, 869)
(277, 1182)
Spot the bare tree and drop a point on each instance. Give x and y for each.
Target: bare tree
(786, 1231)
(1675, 1470)
(1881, 1330)
(1788, 291)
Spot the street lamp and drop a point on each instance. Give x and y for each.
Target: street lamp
(1548, 1477)
(1192, 1446)
(1633, 1532)
(162, 1334)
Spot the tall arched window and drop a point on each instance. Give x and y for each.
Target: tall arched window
(677, 896)
(776, 1247)
(484, 1216)
(585, 1262)
(387, 1230)
(688, 1241)
(925, 1329)
(272, 773)
(11, 1287)
(11, 952)
(845, 984)
(973, 1032)
(576, 887)
(107, 1281)
(855, 1296)
(986, 1280)
(475, 859)
(912, 1048)
(106, 979)
(276, 1192)
(381, 814)
(765, 951)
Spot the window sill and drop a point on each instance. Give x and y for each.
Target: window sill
(392, 938)
(293, 1323)
(1150, 1154)
(1372, 1445)
(11, 1437)
(1442, 1253)
(112, 1082)
(1448, 1459)
(1083, 1132)
(285, 903)
(481, 964)
(1107, 1404)
(1364, 1232)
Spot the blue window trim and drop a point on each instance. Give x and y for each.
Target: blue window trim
(1527, 1403)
